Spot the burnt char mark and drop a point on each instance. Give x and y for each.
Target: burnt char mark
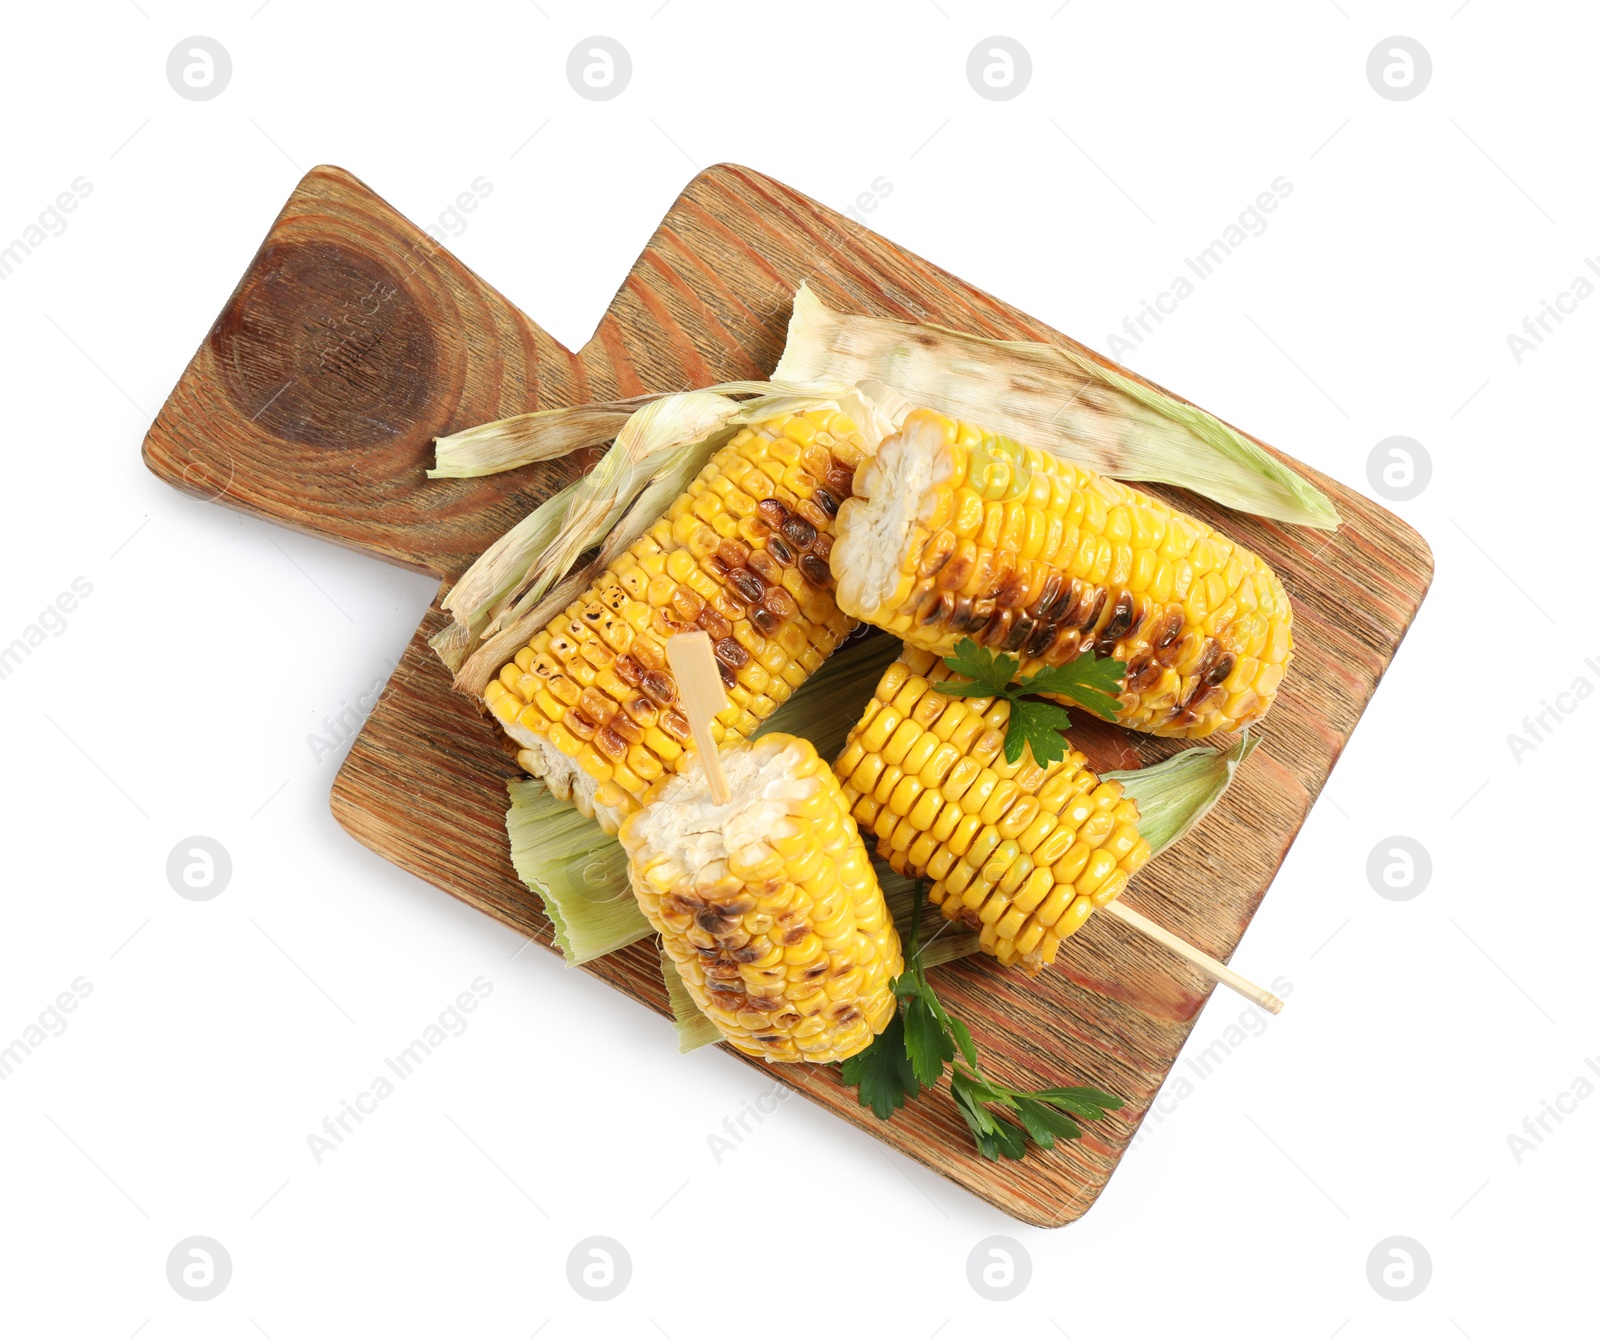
(1143, 672)
(714, 624)
(1096, 608)
(747, 585)
(840, 479)
(799, 531)
(1041, 641)
(815, 571)
(1167, 629)
(996, 627)
(659, 688)
(956, 569)
(1121, 618)
(763, 565)
(1021, 631)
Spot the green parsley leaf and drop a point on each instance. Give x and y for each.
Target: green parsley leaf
(955, 688)
(1086, 1103)
(978, 1117)
(923, 1038)
(1043, 1124)
(1090, 681)
(927, 1043)
(990, 673)
(882, 1074)
(963, 1039)
(1038, 725)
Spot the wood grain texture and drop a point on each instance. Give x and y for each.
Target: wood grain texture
(353, 339)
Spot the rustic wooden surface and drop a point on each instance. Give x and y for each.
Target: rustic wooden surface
(353, 339)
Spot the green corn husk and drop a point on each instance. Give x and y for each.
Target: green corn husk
(1176, 794)
(579, 873)
(1053, 398)
(694, 1029)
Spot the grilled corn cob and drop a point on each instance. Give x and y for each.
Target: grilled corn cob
(1021, 853)
(956, 532)
(768, 905)
(742, 554)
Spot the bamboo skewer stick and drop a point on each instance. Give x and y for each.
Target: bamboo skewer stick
(694, 666)
(1217, 971)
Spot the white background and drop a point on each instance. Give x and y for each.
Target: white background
(178, 698)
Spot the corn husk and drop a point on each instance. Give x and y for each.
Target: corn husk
(527, 576)
(694, 1029)
(545, 434)
(1056, 399)
(1176, 794)
(510, 443)
(579, 873)
(516, 571)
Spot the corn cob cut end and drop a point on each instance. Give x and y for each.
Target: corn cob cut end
(1020, 853)
(955, 532)
(743, 555)
(768, 905)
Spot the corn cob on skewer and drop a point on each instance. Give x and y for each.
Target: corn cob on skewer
(1021, 853)
(956, 532)
(743, 554)
(768, 905)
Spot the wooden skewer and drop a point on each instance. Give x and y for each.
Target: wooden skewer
(694, 666)
(1194, 957)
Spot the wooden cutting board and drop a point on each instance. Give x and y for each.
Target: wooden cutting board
(354, 338)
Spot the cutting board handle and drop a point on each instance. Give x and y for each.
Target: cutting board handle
(354, 339)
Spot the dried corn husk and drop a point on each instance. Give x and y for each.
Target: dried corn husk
(510, 443)
(1054, 398)
(526, 576)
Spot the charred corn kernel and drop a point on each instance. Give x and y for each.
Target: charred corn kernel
(1012, 849)
(768, 906)
(743, 554)
(1029, 553)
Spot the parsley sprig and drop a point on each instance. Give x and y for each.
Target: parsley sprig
(924, 1038)
(1090, 681)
